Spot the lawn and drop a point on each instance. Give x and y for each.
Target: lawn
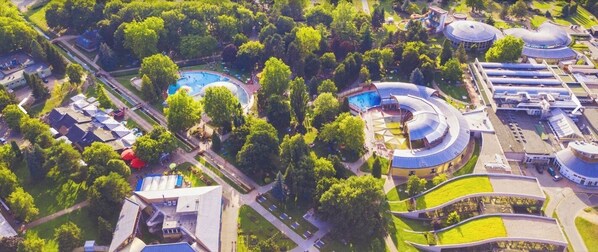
(453, 190)
(194, 175)
(400, 192)
(50, 197)
(38, 16)
(470, 165)
(588, 231)
(58, 95)
(475, 230)
(254, 228)
(80, 217)
(367, 166)
(219, 174)
(293, 210)
(458, 92)
(334, 245)
(403, 232)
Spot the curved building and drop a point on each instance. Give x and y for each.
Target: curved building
(437, 134)
(472, 33)
(579, 163)
(549, 42)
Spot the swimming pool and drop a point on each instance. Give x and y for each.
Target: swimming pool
(196, 82)
(365, 101)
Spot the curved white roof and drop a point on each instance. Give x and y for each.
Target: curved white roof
(230, 86)
(471, 31)
(427, 122)
(548, 35)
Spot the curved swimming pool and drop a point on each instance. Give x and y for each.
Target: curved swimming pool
(365, 100)
(196, 82)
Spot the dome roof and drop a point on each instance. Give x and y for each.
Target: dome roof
(427, 122)
(548, 35)
(471, 31)
(230, 86)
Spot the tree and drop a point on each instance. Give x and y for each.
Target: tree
(293, 149)
(366, 38)
(267, 245)
(35, 159)
(22, 204)
(439, 179)
(507, 49)
(364, 75)
(105, 230)
(35, 131)
(5, 98)
(347, 132)
(161, 70)
(148, 92)
(308, 39)
(68, 236)
(75, 73)
(356, 207)
(193, 46)
(183, 111)
(279, 113)
(343, 25)
(490, 20)
(452, 71)
(328, 60)
(377, 168)
(519, 9)
(275, 77)
(220, 105)
(226, 27)
(38, 89)
(278, 190)
(417, 77)
(229, 53)
(446, 53)
(460, 54)
(10, 243)
(299, 99)
(415, 185)
(16, 150)
(249, 54)
(216, 143)
(453, 218)
(260, 147)
(32, 243)
(142, 37)
(102, 96)
(97, 156)
(150, 147)
(476, 5)
(7, 155)
(326, 108)
(318, 15)
(300, 179)
(106, 195)
(564, 11)
(64, 162)
(12, 116)
(8, 181)
(327, 86)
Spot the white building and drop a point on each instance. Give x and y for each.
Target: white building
(579, 163)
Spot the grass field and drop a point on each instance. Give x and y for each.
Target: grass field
(38, 16)
(475, 230)
(367, 166)
(80, 217)
(455, 91)
(588, 231)
(254, 228)
(454, 189)
(219, 174)
(470, 165)
(293, 210)
(194, 175)
(401, 233)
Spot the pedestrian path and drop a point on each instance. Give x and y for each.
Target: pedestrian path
(56, 214)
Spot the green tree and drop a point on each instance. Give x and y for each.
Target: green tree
(275, 78)
(377, 168)
(97, 156)
(38, 89)
(415, 185)
(8, 181)
(318, 14)
(453, 218)
(356, 207)
(220, 104)
(149, 147)
(267, 245)
(106, 195)
(22, 204)
(300, 178)
(102, 96)
(346, 132)
(35, 131)
(142, 37)
(12, 116)
(32, 243)
(105, 230)
(279, 188)
(260, 148)
(490, 20)
(5, 98)
(326, 108)
(308, 39)
(10, 243)
(507, 49)
(460, 54)
(193, 46)
(417, 77)
(16, 150)
(183, 111)
(249, 54)
(439, 179)
(75, 73)
(519, 9)
(343, 24)
(328, 60)
(299, 100)
(476, 5)
(68, 236)
(327, 86)
(279, 113)
(148, 92)
(216, 142)
(451, 71)
(226, 27)
(35, 159)
(64, 162)
(161, 70)
(447, 52)
(293, 149)
(7, 155)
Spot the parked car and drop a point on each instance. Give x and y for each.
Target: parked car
(557, 178)
(539, 169)
(551, 171)
(2, 140)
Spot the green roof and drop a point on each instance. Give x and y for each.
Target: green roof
(472, 231)
(453, 190)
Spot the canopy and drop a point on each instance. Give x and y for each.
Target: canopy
(128, 155)
(137, 163)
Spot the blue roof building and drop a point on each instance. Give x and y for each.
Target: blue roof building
(549, 42)
(579, 163)
(472, 34)
(89, 40)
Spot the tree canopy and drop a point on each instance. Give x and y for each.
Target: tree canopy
(68, 236)
(183, 111)
(142, 37)
(507, 49)
(106, 195)
(221, 105)
(347, 132)
(275, 77)
(161, 70)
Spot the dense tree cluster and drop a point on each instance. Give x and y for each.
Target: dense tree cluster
(150, 147)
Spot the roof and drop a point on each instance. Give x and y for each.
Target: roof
(553, 53)
(548, 35)
(563, 125)
(159, 183)
(169, 247)
(471, 31)
(387, 89)
(427, 122)
(591, 116)
(126, 225)
(6, 229)
(584, 168)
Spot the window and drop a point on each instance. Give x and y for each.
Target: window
(433, 171)
(411, 173)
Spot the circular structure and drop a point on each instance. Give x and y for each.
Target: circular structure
(472, 33)
(196, 83)
(435, 133)
(459, 16)
(549, 42)
(579, 163)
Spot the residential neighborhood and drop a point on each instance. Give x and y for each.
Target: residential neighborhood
(296, 125)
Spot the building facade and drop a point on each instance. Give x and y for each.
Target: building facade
(579, 163)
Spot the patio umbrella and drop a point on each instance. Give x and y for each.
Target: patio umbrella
(137, 163)
(128, 155)
(172, 166)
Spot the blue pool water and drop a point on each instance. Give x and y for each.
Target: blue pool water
(195, 81)
(365, 101)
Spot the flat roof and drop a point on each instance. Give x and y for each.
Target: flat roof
(126, 225)
(533, 227)
(519, 132)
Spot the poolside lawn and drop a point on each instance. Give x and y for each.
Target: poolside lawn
(475, 230)
(367, 166)
(254, 228)
(588, 231)
(454, 189)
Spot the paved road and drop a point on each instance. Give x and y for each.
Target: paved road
(568, 209)
(56, 214)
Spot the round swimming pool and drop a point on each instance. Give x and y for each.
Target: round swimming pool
(196, 83)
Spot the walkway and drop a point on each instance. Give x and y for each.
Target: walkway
(56, 214)
(567, 210)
